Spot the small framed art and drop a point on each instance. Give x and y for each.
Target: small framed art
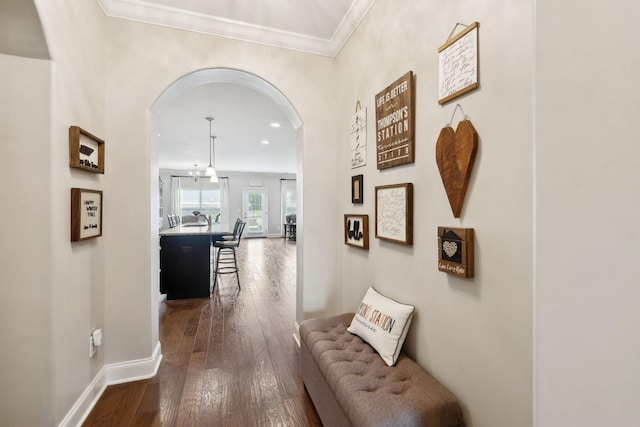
(356, 230)
(394, 213)
(86, 151)
(458, 64)
(356, 189)
(455, 251)
(86, 214)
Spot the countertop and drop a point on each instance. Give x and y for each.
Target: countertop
(183, 230)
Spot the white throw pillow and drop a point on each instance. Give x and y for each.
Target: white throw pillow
(383, 323)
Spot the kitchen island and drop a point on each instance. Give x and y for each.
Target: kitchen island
(185, 261)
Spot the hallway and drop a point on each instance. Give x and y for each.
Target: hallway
(229, 360)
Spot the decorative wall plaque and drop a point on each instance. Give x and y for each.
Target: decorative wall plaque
(455, 155)
(458, 64)
(395, 129)
(356, 189)
(358, 138)
(356, 230)
(86, 214)
(455, 251)
(86, 151)
(394, 213)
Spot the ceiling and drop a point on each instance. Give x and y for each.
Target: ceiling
(242, 115)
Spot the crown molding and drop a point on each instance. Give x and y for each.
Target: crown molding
(142, 11)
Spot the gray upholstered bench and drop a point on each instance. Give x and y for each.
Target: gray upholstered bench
(351, 385)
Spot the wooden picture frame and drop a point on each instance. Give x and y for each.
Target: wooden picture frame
(356, 189)
(458, 65)
(86, 151)
(395, 123)
(86, 214)
(356, 230)
(455, 251)
(394, 213)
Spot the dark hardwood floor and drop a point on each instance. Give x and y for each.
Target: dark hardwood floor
(228, 360)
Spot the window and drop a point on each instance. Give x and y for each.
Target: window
(290, 201)
(205, 201)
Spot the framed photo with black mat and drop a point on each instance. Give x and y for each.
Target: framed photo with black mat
(356, 189)
(86, 151)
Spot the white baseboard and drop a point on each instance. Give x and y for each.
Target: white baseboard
(109, 375)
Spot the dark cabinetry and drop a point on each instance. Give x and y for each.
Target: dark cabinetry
(184, 266)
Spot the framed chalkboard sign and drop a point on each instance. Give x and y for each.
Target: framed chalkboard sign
(458, 64)
(394, 213)
(86, 151)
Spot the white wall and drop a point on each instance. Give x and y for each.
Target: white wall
(142, 62)
(587, 205)
(25, 258)
(474, 335)
(75, 36)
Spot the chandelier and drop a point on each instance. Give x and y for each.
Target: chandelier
(195, 173)
(211, 171)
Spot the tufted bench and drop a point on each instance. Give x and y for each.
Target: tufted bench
(351, 385)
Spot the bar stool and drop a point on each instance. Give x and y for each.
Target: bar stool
(226, 262)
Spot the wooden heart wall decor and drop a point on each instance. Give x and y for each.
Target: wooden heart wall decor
(455, 154)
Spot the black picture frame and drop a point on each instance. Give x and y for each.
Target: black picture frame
(356, 189)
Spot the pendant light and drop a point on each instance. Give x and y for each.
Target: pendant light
(211, 171)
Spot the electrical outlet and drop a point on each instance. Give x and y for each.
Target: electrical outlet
(92, 347)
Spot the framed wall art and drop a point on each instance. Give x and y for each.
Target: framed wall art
(86, 214)
(458, 64)
(356, 230)
(395, 130)
(86, 151)
(394, 213)
(455, 251)
(356, 189)
(358, 137)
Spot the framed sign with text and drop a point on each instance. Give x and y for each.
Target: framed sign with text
(458, 65)
(356, 189)
(86, 151)
(356, 230)
(455, 251)
(395, 123)
(394, 213)
(86, 214)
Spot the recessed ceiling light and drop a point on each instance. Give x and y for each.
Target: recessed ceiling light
(275, 125)
(264, 141)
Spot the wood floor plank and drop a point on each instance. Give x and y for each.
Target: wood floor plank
(228, 360)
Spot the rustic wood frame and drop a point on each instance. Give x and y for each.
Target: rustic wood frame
(81, 212)
(362, 243)
(79, 159)
(463, 264)
(395, 123)
(394, 213)
(453, 46)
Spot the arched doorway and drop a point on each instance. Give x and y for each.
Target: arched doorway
(251, 81)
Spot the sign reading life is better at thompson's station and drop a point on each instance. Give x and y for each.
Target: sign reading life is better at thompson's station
(395, 130)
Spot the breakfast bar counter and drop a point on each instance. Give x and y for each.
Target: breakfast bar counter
(185, 261)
